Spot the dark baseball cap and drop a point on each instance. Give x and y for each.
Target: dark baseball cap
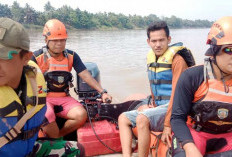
(13, 38)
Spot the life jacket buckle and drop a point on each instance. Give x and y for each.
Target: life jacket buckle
(197, 127)
(155, 81)
(25, 135)
(158, 98)
(67, 91)
(71, 84)
(29, 133)
(31, 100)
(154, 64)
(11, 134)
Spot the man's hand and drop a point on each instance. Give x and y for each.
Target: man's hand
(191, 150)
(166, 135)
(106, 98)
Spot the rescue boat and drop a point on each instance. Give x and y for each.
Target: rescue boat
(100, 134)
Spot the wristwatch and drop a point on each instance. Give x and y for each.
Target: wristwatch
(104, 91)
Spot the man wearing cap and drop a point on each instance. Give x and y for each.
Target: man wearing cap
(22, 97)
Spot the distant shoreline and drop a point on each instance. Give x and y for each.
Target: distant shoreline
(84, 20)
(38, 27)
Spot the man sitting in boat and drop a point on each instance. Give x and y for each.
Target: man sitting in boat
(203, 94)
(23, 99)
(165, 64)
(21, 113)
(56, 64)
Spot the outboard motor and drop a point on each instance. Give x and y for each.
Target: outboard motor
(83, 89)
(87, 95)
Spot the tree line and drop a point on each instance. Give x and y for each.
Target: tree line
(84, 20)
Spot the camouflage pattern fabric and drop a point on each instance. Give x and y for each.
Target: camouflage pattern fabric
(57, 148)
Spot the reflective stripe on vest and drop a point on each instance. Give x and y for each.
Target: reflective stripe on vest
(55, 65)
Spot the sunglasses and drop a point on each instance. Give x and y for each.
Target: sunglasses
(227, 50)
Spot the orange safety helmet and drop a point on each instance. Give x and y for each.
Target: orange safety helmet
(54, 29)
(220, 34)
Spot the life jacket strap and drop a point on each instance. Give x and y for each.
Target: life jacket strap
(11, 134)
(157, 65)
(32, 100)
(15, 130)
(208, 71)
(156, 82)
(24, 135)
(198, 127)
(29, 133)
(159, 98)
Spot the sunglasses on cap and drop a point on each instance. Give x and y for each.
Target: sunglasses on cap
(227, 50)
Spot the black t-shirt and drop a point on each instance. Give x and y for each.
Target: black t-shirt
(187, 85)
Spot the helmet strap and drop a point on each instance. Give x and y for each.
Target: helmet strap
(53, 53)
(215, 49)
(223, 74)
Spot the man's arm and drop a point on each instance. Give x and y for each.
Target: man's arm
(191, 150)
(187, 85)
(178, 66)
(182, 104)
(78, 65)
(87, 77)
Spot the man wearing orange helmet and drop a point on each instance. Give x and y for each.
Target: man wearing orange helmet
(56, 63)
(203, 96)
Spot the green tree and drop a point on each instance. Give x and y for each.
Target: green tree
(41, 19)
(48, 7)
(138, 21)
(124, 22)
(5, 11)
(174, 22)
(30, 15)
(64, 14)
(49, 11)
(17, 12)
(103, 19)
(76, 18)
(113, 19)
(150, 18)
(85, 20)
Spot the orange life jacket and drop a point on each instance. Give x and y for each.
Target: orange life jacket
(57, 73)
(213, 112)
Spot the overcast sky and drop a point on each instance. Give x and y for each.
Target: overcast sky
(185, 9)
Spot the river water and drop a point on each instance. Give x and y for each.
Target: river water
(121, 55)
